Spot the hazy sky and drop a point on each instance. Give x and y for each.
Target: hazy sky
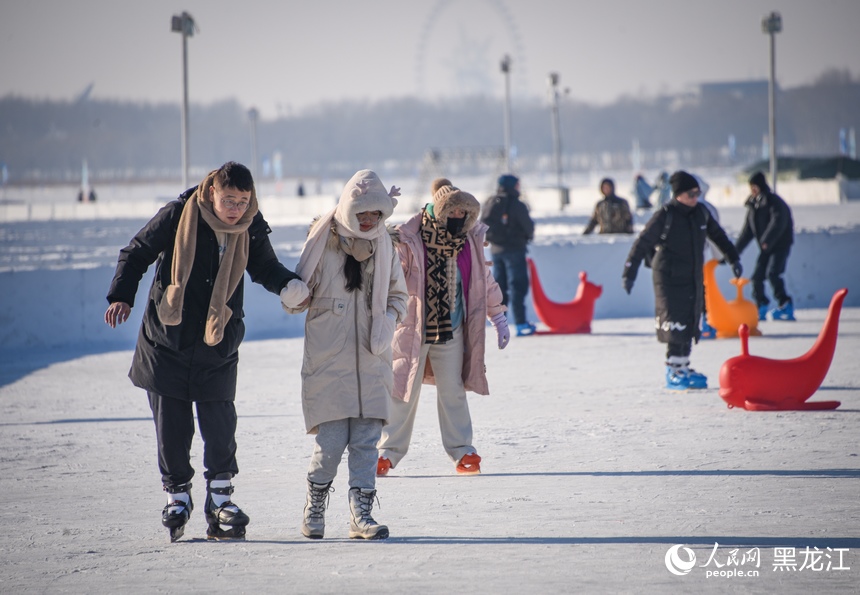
(281, 56)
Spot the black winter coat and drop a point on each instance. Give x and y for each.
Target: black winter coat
(768, 220)
(173, 361)
(677, 266)
(510, 227)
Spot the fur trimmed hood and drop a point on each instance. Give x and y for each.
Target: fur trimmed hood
(447, 197)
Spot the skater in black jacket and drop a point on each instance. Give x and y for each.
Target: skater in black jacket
(768, 221)
(673, 241)
(510, 229)
(187, 347)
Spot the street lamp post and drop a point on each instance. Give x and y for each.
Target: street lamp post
(184, 24)
(253, 114)
(506, 70)
(556, 136)
(772, 24)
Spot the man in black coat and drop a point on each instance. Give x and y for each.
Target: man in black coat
(187, 347)
(768, 220)
(510, 230)
(674, 240)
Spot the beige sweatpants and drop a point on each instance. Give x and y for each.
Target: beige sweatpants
(455, 422)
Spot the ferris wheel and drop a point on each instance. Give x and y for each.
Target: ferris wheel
(461, 46)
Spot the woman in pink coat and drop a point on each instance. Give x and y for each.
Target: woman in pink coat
(441, 341)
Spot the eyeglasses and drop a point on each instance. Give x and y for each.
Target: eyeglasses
(232, 204)
(368, 216)
(694, 193)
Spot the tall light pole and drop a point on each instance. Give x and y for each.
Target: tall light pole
(772, 24)
(506, 70)
(556, 131)
(253, 114)
(184, 24)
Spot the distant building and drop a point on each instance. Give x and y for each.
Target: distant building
(735, 90)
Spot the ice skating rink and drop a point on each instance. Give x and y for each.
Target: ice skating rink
(592, 472)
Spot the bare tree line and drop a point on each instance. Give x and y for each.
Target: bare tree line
(47, 141)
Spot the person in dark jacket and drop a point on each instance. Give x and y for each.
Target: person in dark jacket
(768, 220)
(187, 347)
(510, 229)
(674, 238)
(611, 213)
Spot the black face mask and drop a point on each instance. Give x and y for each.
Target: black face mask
(455, 226)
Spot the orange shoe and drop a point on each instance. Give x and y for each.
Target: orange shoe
(469, 464)
(383, 466)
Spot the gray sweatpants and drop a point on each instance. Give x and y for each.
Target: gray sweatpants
(361, 436)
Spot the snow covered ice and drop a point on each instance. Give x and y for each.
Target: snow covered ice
(592, 471)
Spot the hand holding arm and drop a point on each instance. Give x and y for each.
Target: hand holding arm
(295, 294)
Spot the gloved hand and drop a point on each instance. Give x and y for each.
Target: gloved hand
(294, 294)
(628, 284)
(502, 331)
(737, 269)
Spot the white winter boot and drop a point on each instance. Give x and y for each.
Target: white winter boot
(361, 524)
(313, 525)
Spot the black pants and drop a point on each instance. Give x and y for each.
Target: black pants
(679, 349)
(770, 265)
(174, 430)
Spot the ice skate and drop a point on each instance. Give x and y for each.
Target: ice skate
(225, 520)
(680, 376)
(784, 312)
(361, 524)
(178, 510)
(524, 329)
(313, 524)
(470, 464)
(383, 466)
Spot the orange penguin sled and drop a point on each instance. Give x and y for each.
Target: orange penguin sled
(573, 317)
(727, 315)
(760, 384)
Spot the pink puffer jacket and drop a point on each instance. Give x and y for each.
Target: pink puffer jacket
(483, 300)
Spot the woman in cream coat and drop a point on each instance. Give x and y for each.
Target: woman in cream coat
(357, 295)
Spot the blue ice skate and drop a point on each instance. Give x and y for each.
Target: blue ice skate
(684, 379)
(524, 329)
(784, 312)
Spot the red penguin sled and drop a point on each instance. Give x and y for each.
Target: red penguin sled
(573, 317)
(760, 384)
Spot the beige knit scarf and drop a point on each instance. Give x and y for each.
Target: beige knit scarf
(230, 271)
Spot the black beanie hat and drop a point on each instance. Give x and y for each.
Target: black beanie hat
(681, 182)
(759, 180)
(606, 181)
(507, 182)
